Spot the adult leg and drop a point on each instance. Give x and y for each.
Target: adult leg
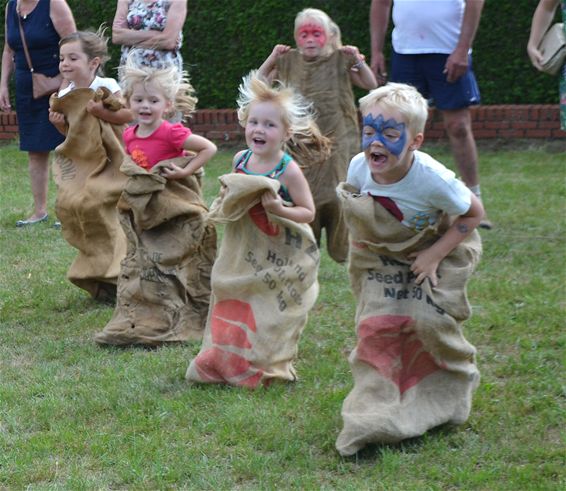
(458, 125)
(39, 177)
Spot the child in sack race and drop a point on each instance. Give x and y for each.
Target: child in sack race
(264, 281)
(164, 283)
(82, 56)
(88, 111)
(413, 248)
(324, 71)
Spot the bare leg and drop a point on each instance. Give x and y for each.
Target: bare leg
(458, 124)
(39, 177)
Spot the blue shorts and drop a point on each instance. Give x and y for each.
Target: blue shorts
(424, 71)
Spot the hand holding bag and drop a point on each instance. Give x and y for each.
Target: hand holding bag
(42, 84)
(553, 49)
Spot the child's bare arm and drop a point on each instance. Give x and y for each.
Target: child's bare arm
(361, 74)
(426, 262)
(58, 120)
(121, 116)
(298, 187)
(204, 150)
(268, 69)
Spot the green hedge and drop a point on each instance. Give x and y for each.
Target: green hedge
(224, 39)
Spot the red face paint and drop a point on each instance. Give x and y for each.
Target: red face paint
(311, 33)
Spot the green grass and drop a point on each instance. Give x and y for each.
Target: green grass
(76, 416)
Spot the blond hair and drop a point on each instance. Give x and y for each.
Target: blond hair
(402, 98)
(94, 44)
(173, 84)
(322, 19)
(306, 142)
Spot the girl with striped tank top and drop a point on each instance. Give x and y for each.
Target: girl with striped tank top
(272, 116)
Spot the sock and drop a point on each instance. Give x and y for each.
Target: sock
(476, 190)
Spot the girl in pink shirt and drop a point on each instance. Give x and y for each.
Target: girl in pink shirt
(152, 95)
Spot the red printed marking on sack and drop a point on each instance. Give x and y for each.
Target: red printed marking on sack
(259, 217)
(230, 320)
(390, 345)
(216, 365)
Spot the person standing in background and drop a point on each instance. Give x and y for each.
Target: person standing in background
(44, 23)
(153, 29)
(542, 18)
(432, 41)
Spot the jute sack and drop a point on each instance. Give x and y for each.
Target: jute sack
(326, 82)
(164, 282)
(412, 367)
(264, 282)
(86, 169)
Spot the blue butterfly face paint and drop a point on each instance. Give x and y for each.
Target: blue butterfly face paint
(391, 134)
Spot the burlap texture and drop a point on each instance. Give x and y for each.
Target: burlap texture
(164, 282)
(326, 82)
(412, 367)
(86, 169)
(264, 282)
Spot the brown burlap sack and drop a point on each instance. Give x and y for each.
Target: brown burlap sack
(326, 82)
(413, 369)
(86, 169)
(264, 282)
(164, 282)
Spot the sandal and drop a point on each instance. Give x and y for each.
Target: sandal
(31, 221)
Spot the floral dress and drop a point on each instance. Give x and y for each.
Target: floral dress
(151, 16)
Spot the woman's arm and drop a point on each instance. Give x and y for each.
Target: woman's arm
(7, 70)
(153, 39)
(62, 18)
(542, 19)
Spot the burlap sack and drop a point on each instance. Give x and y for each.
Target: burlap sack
(164, 282)
(326, 82)
(264, 282)
(412, 367)
(86, 169)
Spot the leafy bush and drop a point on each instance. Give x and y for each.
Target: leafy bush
(225, 39)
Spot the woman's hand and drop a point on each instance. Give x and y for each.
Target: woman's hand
(5, 99)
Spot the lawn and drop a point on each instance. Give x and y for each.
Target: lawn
(77, 416)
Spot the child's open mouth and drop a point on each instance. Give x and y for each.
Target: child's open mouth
(378, 158)
(259, 141)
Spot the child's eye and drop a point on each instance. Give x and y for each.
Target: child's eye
(392, 135)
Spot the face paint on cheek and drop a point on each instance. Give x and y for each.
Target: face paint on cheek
(379, 125)
(311, 32)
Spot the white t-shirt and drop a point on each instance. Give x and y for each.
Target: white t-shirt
(427, 26)
(421, 196)
(109, 83)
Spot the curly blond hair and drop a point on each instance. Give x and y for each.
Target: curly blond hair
(306, 143)
(174, 85)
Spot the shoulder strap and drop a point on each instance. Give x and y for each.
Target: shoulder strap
(24, 44)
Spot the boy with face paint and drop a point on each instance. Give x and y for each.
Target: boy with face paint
(410, 184)
(323, 71)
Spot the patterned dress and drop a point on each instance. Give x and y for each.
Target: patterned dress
(151, 16)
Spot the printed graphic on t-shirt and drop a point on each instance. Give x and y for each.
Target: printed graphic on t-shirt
(140, 158)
